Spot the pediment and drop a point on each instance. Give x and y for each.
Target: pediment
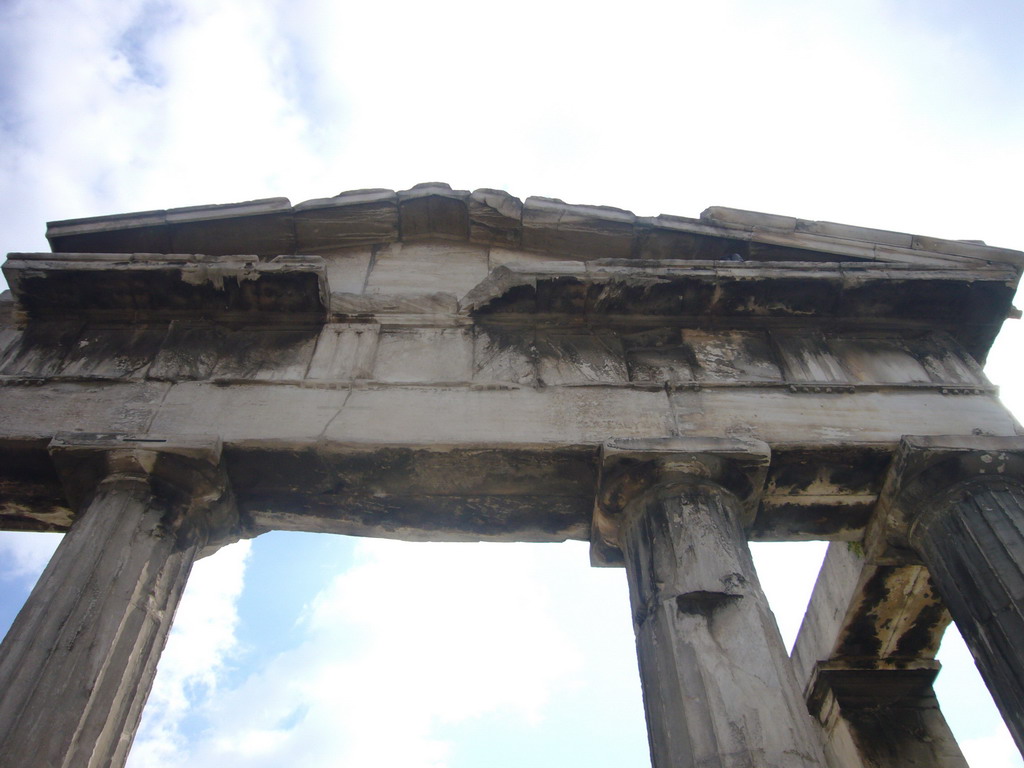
(273, 227)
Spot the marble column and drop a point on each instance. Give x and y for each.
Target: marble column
(959, 504)
(79, 660)
(718, 686)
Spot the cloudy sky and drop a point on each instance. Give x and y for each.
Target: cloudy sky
(314, 651)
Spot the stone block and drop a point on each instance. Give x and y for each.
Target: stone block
(945, 361)
(347, 270)
(245, 412)
(9, 339)
(367, 307)
(207, 352)
(573, 358)
(94, 406)
(427, 268)
(847, 232)
(344, 351)
(266, 355)
(785, 418)
(113, 353)
(879, 360)
(504, 357)
(261, 227)
(516, 259)
(189, 352)
(360, 217)
(660, 365)
(592, 232)
(433, 210)
(424, 355)
(968, 249)
(40, 350)
(447, 416)
(740, 219)
(731, 356)
(672, 238)
(806, 357)
(495, 218)
(142, 232)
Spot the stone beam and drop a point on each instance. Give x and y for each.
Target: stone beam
(79, 660)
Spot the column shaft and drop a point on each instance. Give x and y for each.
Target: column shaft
(718, 688)
(972, 541)
(79, 660)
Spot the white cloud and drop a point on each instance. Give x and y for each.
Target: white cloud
(997, 749)
(201, 644)
(413, 640)
(25, 555)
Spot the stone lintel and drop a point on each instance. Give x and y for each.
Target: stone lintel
(925, 466)
(186, 473)
(631, 468)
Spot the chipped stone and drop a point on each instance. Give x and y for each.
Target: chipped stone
(495, 218)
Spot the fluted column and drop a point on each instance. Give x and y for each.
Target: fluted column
(960, 502)
(718, 686)
(972, 541)
(79, 660)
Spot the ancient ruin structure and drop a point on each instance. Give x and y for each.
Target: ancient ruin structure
(445, 365)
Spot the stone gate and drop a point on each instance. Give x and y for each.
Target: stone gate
(443, 365)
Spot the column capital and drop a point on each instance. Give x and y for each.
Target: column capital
(867, 681)
(633, 468)
(185, 473)
(925, 467)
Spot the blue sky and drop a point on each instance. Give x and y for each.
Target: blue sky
(902, 115)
